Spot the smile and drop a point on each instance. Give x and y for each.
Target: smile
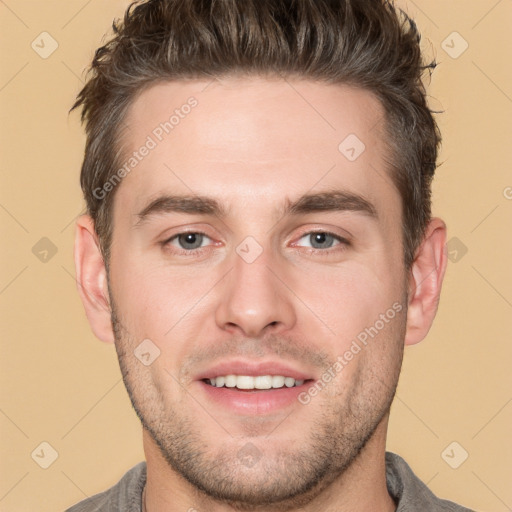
(248, 382)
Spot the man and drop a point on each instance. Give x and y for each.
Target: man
(259, 246)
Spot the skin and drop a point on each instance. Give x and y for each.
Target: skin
(253, 143)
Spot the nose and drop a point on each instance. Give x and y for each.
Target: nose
(254, 300)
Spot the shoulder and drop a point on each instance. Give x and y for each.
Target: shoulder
(126, 495)
(410, 492)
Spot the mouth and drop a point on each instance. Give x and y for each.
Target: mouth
(258, 382)
(248, 388)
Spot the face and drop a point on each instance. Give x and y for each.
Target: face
(257, 250)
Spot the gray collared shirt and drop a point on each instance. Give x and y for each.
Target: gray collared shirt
(408, 491)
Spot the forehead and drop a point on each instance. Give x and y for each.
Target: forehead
(258, 139)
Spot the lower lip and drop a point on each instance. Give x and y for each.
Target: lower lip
(253, 402)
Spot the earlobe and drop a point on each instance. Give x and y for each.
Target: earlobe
(425, 282)
(91, 279)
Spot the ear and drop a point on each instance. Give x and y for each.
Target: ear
(425, 281)
(91, 279)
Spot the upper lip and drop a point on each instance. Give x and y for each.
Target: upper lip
(251, 368)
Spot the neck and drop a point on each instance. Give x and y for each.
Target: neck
(361, 488)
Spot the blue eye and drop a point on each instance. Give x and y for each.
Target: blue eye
(193, 243)
(188, 241)
(323, 240)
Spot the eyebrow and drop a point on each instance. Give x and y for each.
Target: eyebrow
(335, 201)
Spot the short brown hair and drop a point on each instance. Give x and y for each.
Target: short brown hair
(365, 43)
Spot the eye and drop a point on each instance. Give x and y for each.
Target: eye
(188, 241)
(194, 242)
(322, 239)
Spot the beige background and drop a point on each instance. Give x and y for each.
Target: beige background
(61, 386)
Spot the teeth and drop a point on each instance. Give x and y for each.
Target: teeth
(259, 382)
(277, 381)
(230, 381)
(244, 382)
(289, 382)
(263, 382)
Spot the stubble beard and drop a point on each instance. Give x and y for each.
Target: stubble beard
(280, 477)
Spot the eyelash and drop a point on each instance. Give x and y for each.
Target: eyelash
(342, 246)
(182, 252)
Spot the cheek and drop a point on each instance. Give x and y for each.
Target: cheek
(142, 297)
(348, 299)
(366, 366)
(156, 302)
